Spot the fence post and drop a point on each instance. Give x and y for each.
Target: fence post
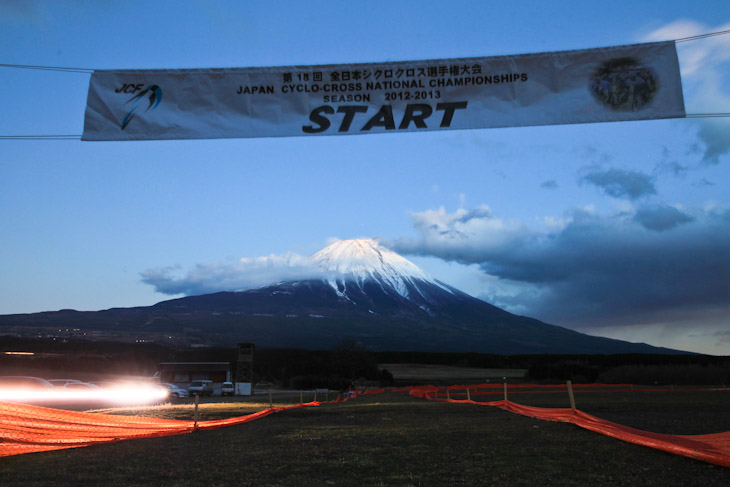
(301, 397)
(315, 395)
(571, 396)
(271, 403)
(505, 391)
(448, 396)
(468, 396)
(195, 416)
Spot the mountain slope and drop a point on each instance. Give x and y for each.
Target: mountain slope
(366, 293)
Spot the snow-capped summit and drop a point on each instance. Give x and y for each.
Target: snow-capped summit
(360, 260)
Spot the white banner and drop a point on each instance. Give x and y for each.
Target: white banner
(635, 82)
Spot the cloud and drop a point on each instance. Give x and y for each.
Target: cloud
(621, 183)
(593, 270)
(471, 233)
(661, 217)
(672, 168)
(703, 183)
(722, 336)
(19, 8)
(246, 273)
(715, 133)
(23, 11)
(704, 69)
(549, 184)
(697, 55)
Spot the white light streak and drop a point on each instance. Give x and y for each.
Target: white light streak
(122, 394)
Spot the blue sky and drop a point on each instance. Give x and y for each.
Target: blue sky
(618, 229)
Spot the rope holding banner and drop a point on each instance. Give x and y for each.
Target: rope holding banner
(702, 36)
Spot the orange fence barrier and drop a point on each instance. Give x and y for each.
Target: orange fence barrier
(486, 389)
(712, 448)
(26, 429)
(597, 387)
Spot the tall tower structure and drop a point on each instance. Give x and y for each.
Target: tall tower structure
(244, 368)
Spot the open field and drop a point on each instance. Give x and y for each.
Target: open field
(437, 373)
(393, 439)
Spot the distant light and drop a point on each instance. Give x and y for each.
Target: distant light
(123, 394)
(33, 354)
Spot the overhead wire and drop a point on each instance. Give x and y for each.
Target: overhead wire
(707, 115)
(49, 68)
(40, 137)
(91, 70)
(702, 36)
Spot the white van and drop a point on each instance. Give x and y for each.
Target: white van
(201, 388)
(228, 389)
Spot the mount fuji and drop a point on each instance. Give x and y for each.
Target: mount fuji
(363, 292)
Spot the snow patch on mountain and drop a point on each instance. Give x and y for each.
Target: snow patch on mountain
(361, 260)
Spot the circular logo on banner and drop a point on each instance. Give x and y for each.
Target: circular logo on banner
(624, 84)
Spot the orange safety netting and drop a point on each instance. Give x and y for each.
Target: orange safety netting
(27, 429)
(711, 448)
(485, 389)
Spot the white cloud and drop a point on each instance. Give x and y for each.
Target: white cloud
(705, 77)
(696, 56)
(246, 273)
(474, 231)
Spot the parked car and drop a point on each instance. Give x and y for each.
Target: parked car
(24, 382)
(228, 389)
(25, 389)
(201, 388)
(62, 382)
(174, 391)
(105, 384)
(82, 386)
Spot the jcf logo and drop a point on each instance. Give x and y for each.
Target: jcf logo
(151, 93)
(129, 88)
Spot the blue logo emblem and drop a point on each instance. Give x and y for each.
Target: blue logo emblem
(153, 95)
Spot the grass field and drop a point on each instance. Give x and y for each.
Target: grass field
(396, 440)
(437, 373)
